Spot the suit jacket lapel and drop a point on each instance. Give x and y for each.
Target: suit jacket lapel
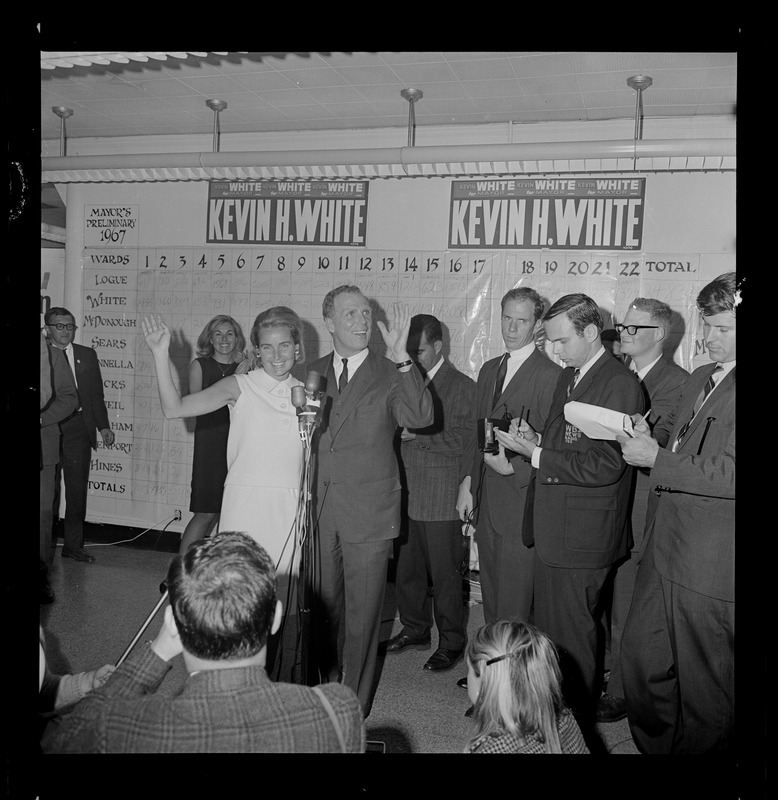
(711, 405)
(522, 376)
(353, 392)
(439, 382)
(585, 381)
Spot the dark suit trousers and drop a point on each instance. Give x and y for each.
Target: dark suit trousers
(506, 567)
(568, 609)
(75, 460)
(47, 494)
(624, 586)
(677, 659)
(350, 588)
(433, 550)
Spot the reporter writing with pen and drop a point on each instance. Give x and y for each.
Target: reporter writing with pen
(644, 338)
(678, 642)
(577, 510)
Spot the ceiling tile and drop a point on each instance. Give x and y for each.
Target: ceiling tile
(491, 69)
(321, 90)
(416, 75)
(263, 81)
(365, 76)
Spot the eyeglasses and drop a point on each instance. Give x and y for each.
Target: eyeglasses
(62, 327)
(632, 329)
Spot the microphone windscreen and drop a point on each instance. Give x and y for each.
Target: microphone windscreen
(312, 382)
(298, 396)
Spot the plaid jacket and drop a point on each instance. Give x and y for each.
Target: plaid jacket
(569, 735)
(236, 710)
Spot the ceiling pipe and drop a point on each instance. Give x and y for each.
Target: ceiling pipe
(216, 106)
(412, 96)
(197, 166)
(63, 113)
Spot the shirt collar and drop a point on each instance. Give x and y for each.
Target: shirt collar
(641, 373)
(353, 361)
(590, 363)
(523, 353)
(431, 374)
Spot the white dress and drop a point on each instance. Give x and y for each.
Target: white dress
(264, 460)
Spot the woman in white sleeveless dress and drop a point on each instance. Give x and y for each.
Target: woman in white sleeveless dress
(264, 450)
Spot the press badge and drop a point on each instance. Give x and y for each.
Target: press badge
(572, 434)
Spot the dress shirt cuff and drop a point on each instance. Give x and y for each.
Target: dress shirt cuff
(536, 457)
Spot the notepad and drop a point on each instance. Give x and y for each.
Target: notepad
(598, 422)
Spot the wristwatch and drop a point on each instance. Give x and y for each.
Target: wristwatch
(401, 364)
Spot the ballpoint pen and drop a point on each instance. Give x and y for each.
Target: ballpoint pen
(642, 419)
(705, 433)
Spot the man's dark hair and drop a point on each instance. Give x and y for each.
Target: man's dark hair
(718, 296)
(222, 592)
(57, 311)
(580, 309)
(329, 299)
(427, 324)
(525, 293)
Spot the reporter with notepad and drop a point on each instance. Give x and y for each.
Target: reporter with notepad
(577, 515)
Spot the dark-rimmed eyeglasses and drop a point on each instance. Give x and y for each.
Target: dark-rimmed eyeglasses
(632, 329)
(61, 326)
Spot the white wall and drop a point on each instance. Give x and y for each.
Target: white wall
(689, 221)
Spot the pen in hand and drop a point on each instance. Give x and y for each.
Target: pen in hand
(642, 419)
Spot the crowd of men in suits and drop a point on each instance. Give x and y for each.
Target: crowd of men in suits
(630, 540)
(563, 521)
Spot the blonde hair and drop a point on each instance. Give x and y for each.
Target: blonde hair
(520, 690)
(205, 345)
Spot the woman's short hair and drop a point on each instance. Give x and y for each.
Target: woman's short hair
(222, 592)
(205, 345)
(280, 317)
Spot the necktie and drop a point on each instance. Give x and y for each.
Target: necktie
(343, 375)
(500, 379)
(71, 360)
(701, 398)
(573, 382)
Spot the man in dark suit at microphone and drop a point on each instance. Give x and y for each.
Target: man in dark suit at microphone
(358, 485)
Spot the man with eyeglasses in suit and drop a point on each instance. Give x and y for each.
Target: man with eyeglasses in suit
(79, 430)
(643, 338)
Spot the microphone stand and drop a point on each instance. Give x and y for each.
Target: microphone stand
(307, 556)
(309, 415)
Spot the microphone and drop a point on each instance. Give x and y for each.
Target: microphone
(307, 400)
(314, 394)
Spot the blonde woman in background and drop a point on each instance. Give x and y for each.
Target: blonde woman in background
(220, 349)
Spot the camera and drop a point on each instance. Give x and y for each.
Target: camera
(487, 442)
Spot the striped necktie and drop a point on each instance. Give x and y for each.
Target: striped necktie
(710, 384)
(573, 382)
(343, 376)
(500, 379)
